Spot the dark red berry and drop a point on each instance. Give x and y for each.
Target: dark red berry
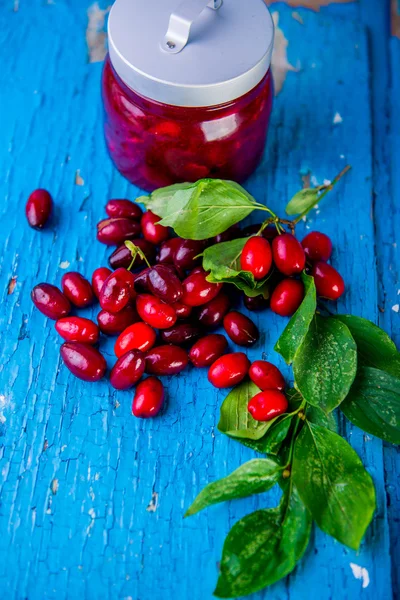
(317, 246)
(256, 257)
(127, 370)
(85, 362)
(113, 232)
(197, 290)
(122, 257)
(98, 278)
(141, 280)
(267, 405)
(287, 297)
(50, 301)
(230, 234)
(116, 323)
(270, 233)
(212, 313)
(328, 281)
(288, 254)
(151, 231)
(252, 229)
(165, 255)
(117, 291)
(155, 312)
(229, 370)
(207, 350)
(77, 289)
(166, 360)
(180, 334)
(78, 329)
(138, 336)
(255, 303)
(240, 329)
(182, 311)
(124, 208)
(164, 283)
(186, 254)
(38, 208)
(266, 376)
(149, 398)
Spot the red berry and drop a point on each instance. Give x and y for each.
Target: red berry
(266, 376)
(149, 398)
(207, 350)
(85, 362)
(113, 232)
(317, 246)
(197, 290)
(141, 280)
(226, 236)
(122, 257)
(123, 208)
(127, 370)
(78, 329)
(151, 231)
(328, 281)
(212, 313)
(98, 278)
(240, 329)
(186, 254)
(229, 370)
(50, 301)
(38, 208)
(287, 297)
(77, 289)
(166, 360)
(138, 336)
(164, 283)
(182, 311)
(255, 303)
(180, 334)
(288, 254)
(256, 257)
(267, 405)
(117, 291)
(167, 250)
(115, 323)
(155, 312)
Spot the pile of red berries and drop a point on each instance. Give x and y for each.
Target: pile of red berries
(163, 294)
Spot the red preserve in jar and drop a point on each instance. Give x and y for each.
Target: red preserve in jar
(187, 89)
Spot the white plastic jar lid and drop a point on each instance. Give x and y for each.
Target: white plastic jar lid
(199, 53)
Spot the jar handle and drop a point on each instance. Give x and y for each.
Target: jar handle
(181, 21)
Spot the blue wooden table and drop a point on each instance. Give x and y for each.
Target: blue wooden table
(91, 499)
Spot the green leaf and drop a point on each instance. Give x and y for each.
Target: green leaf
(201, 210)
(272, 441)
(333, 484)
(235, 419)
(318, 417)
(298, 326)
(264, 547)
(373, 404)
(254, 477)
(304, 200)
(326, 364)
(374, 346)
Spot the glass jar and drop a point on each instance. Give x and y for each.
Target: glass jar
(161, 132)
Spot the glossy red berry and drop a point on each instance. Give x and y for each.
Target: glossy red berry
(328, 281)
(117, 291)
(182, 311)
(77, 289)
(256, 257)
(255, 303)
(141, 280)
(78, 329)
(207, 350)
(98, 278)
(226, 236)
(151, 231)
(180, 334)
(197, 290)
(149, 398)
(165, 255)
(122, 257)
(166, 360)
(317, 246)
(124, 208)
(266, 376)
(240, 329)
(127, 370)
(155, 312)
(229, 370)
(288, 254)
(85, 362)
(50, 301)
(287, 297)
(116, 323)
(267, 405)
(115, 231)
(163, 282)
(138, 336)
(186, 254)
(212, 313)
(38, 208)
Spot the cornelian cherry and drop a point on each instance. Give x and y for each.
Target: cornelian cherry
(165, 255)
(207, 350)
(127, 370)
(117, 291)
(151, 231)
(38, 208)
(317, 246)
(328, 281)
(138, 336)
(50, 301)
(266, 376)
(155, 312)
(85, 362)
(267, 405)
(288, 254)
(164, 283)
(256, 257)
(98, 278)
(287, 297)
(186, 254)
(77, 289)
(78, 329)
(182, 311)
(166, 360)
(255, 303)
(115, 231)
(180, 334)
(122, 256)
(148, 399)
(212, 313)
(115, 323)
(197, 290)
(240, 329)
(123, 208)
(229, 370)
